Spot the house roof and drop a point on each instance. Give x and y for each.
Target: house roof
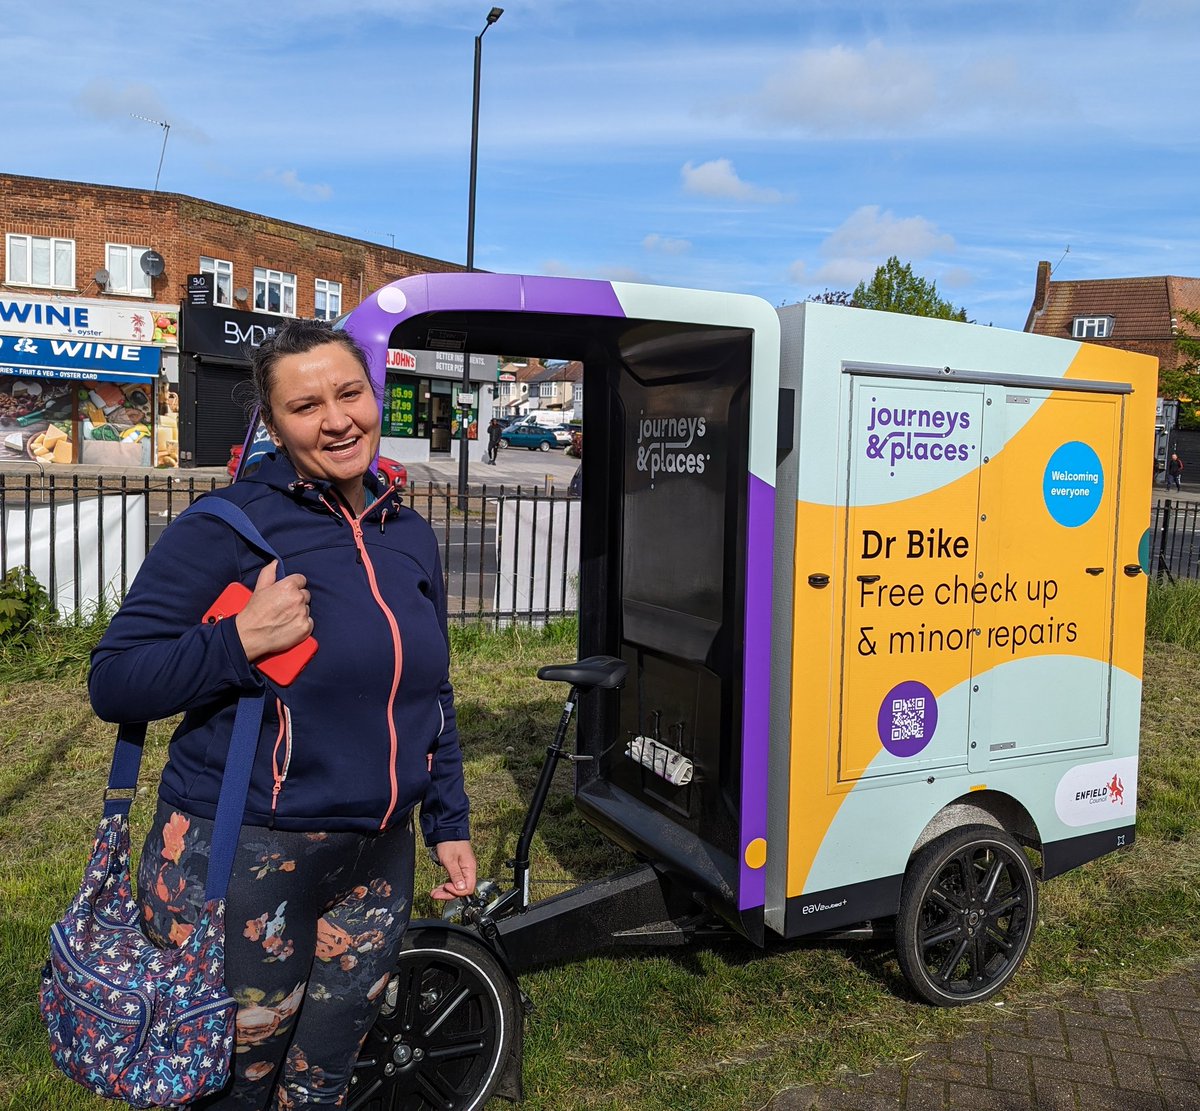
(1141, 308)
(571, 372)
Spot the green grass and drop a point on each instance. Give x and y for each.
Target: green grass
(1173, 613)
(721, 1028)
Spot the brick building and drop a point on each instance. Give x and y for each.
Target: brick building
(93, 281)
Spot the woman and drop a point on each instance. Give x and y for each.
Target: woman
(322, 885)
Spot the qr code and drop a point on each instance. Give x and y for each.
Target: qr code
(908, 719)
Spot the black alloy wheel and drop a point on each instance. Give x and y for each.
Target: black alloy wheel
(445, 1030)
(966, 918)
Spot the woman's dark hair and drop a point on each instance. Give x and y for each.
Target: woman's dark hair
(297, 337)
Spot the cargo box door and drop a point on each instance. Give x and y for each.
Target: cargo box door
(1047, 550)
(909, 574)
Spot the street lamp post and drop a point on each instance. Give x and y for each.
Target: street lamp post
(492, 16)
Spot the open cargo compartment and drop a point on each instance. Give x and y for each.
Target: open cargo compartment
(680, 422)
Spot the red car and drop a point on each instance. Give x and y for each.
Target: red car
(390, 470)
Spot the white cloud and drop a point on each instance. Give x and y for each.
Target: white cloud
(841, 89)
(102, 99)
(665, 244)
(867, 237)
(718, 178)
(957, 277)
(870, 233)
(290, 181)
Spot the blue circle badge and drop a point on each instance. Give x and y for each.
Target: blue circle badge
(907, 718)
(1073, 484)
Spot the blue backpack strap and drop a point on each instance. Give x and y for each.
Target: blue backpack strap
(235, 517)
(235, 782)
(123, 775)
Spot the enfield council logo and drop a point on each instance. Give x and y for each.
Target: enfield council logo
(1091, 793)
(901, 434)
(671, 445)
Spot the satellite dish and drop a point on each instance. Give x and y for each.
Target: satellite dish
(241, 293)
(152, 263)
(101, 276)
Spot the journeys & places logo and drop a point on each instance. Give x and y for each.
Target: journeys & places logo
(670, 445)
(898, 434)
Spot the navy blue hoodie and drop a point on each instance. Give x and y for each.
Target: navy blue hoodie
(366, 731)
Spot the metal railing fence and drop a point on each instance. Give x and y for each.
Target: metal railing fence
(1175, 539)
(510, 556)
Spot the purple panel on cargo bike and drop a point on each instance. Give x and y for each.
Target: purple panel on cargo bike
(756, 686)
(371, 323)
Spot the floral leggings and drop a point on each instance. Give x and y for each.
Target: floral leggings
(313, 926)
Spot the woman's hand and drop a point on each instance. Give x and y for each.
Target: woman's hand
(276, 617)
(458, 859)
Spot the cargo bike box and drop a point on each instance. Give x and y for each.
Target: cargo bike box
(862, 603)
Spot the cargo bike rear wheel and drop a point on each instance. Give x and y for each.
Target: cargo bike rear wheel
(966, 918)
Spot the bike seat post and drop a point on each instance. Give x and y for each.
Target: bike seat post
(554, 753)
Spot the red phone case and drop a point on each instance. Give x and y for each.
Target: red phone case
(279, 667)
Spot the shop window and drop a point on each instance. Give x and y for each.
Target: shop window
(40, 260)
(222, 273)
(125, 273)
(1092, 327)
(274, 291)
(328, 300)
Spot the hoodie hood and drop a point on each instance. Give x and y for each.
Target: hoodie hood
(278, 473)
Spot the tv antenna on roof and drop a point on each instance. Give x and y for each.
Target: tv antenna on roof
(1059, 262)
(166, 133)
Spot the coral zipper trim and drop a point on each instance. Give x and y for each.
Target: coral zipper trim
(356, 529)
(279, 774)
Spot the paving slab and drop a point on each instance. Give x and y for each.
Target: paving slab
(1134, 1049)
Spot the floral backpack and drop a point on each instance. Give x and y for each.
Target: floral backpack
(152, 1027)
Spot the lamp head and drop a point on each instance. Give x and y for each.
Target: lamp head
(494, 15)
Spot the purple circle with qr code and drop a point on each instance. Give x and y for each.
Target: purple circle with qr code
(907, 718)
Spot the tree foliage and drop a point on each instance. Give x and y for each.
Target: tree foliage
(895, 288)
(1183, 381)
(833, 297)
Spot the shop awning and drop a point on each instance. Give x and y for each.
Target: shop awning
(78, 360)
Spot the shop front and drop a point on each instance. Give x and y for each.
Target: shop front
(215, 352)
(427, 408)
(82, 381)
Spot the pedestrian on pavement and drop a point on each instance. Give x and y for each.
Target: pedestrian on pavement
(1175, 472)
(322, 881)
(494, 430)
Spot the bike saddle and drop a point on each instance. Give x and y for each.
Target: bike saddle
(605, 672)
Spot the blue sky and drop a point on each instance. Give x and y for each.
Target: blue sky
(776, 148)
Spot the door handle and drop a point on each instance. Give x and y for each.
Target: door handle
(1133, 569)
(1094, 570)
(818, 580)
